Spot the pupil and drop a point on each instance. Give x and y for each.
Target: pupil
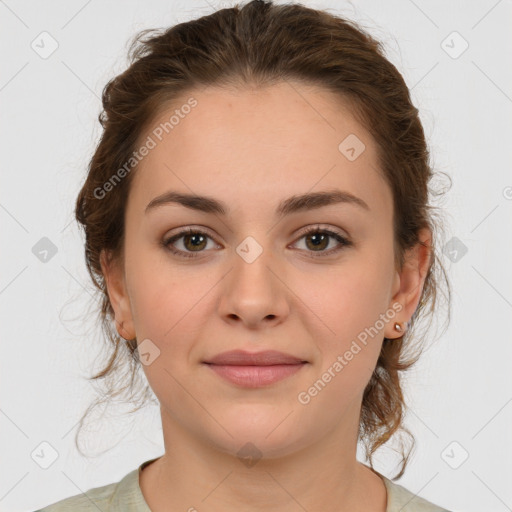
(317, 239)
(198, 240)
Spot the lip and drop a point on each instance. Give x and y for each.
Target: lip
(255, 369)
(255, 376)
(244, 358)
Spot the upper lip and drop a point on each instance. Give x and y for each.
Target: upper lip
(243, 358)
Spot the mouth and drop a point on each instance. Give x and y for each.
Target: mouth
(254, 370)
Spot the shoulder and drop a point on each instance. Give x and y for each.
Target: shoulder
(119, 496)
(401, 499)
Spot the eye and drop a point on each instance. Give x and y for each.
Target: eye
(318, 239)
(194, 240)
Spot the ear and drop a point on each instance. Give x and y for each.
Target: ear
(113, 273)
(409, 282)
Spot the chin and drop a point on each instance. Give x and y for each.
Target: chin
(255, 436)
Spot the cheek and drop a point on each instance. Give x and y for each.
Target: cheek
(345, 308)
(349, 307)
(169, 302)
(349, 298)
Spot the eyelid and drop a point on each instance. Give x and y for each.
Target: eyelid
(301, 232)
(191, 228)
(321, 227)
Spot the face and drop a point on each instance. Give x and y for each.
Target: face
(249, 276)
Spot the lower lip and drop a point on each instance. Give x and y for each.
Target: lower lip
(255, 376)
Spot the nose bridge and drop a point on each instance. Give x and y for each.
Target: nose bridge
(252, 262)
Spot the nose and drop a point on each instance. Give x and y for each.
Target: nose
(253, 293)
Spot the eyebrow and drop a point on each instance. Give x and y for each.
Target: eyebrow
(293, 204)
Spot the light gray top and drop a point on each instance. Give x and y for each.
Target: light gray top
(126, 496)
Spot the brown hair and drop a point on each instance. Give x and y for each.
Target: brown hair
(259, 44)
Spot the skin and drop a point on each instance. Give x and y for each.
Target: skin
(251, 149)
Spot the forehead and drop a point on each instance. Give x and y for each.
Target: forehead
(259, 144)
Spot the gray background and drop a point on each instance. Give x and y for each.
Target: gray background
(460, 390)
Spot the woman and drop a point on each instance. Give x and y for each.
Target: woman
(257, 222)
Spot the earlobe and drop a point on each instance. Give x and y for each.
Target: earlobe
(118, 295)
(411, 280)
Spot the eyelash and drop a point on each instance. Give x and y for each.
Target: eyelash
(314, 230)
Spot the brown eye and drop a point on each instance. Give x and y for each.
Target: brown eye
(317, 240)
(194, 240)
